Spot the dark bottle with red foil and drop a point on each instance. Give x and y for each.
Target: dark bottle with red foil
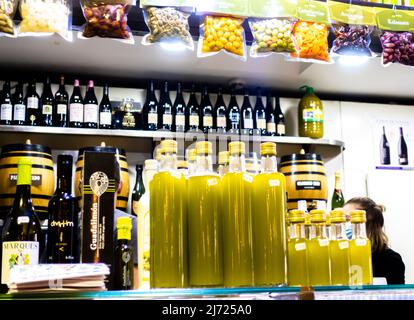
(206, 112)
(76, 107)
(91, 108)
(63, 238)
(179, 111)
(62, 105)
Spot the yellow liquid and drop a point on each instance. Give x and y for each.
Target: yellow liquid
(339, 254)
(237, 230)
(297, 258)
(268, 203)
(361, 262)
(204, 231)
(319, 264)
(168, 231)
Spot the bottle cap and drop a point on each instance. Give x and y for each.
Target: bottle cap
(309, 90)
(337, 173)
(223, 157)
(124, 222)
(191, 154)
(268, 149)
(358, 216)
(317, 216)
(338, 216)
(204, 147)
(237, 147)
(169, 146)
(296, 216)
(150, 164)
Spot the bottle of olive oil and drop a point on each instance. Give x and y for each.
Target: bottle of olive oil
(168, 223)
(237, 220)
(269, 203)
(310, 115)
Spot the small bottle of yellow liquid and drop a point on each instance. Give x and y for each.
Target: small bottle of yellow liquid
(168, 223)
(204, 222)
(237, 220)
(269, 203)
(191, 161)
(339, 249)
(223, 163)
(360, 250)
(318, 246)
(297, 255)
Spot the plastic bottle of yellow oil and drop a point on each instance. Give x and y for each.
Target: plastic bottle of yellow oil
(297, 253)
(360, 250)
(269, 203)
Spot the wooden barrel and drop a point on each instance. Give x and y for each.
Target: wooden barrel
(43, 179)
(305, 178)
(122, 198)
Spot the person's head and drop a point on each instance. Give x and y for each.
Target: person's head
(375, 220)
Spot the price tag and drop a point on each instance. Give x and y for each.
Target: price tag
(361, 242)
(212, 182)
(274, 183)
(248, 178)
(323, 242)
(300, 246)
(343, 245)
(23, 219)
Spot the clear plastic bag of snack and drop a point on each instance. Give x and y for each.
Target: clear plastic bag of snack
(312, 42)
(219, 33)
(352, 40)
(397, 47)
(271, 35)
(46, 17)
(167, 25)
(106, 19)
(7, 11)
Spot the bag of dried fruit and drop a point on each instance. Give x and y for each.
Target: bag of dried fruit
(106, 19)
(46, 17)
(7, 11)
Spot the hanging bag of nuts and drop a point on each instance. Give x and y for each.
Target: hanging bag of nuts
(7, 11)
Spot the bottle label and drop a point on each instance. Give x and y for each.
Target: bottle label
(105, 118)
(248, 123)
(274, 183)
(18, 253)
(247, 177)
(323, 242)
(312, 115)
(261, 124)
(361, 242)
(152, 118)
(343, 245)
(234, 117)
(167, 119)
(76, 112)
(180, 120)
(19, 112)
(221, 122)
(271, 127)
(62, 109)
(194, 120)
(281, 129)
(47, 109)
(23, 220)
(212, 182)
(6, 112)
(207, 121)
(300, 246)
(36, 179)
(308, 185)
(32, 103)
(91, 113)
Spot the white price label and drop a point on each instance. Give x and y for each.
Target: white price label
(343, 245)
(167, 119)
(361, 242)
(261, 123)
(212, 182)
(248, 123)
(300, 246)
(221, 122)
(207, 121)
(180, 120)
(271, 127)
(152, 118)
(274, 183)
(281, 129)
(323, 242)
(194, 120)
(247, 177)
(23, 219)
(62, 109)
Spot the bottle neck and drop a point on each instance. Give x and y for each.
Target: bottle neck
(204, 164)
(296, 231)
(337, 183)
(401, 132)
(223, 169)
(359, 231)
(168, 162)
(318, 231)
(64, 179)
(148, 176)
(23, 196)
(338, 231)
(139, 180)
(268, 164)
(237, 163)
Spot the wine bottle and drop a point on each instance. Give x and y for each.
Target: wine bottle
(402, 149)
(259, 115)
(6, 115)
(150, 109)
(233, 116)
(220, 111)
(32, 104)
(338, 200)
(76, 107)
(138, 191)
(124, 256)
(91, 108)
(206, 112)
(48, 102)
(165, 109)
(179, 111)
(279, 119)
(62, 236)
(19, 106)
(105, 110)
(385, 149)
(62, 101)
(246, 115)
(192, 117)
(22, 239)
(270, 117)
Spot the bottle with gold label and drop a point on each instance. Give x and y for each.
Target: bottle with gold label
(204, 222)
(168, 223)
(310, 115)
(360, 250)
(223, 163)
(269, 203)
(297, 253)
(318, 246)
(237, 220)
(339, 249)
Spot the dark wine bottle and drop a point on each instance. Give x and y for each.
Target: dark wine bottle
(150, 109)
(206, 112)
(259, 116)
(91, 108)
(6, 114)
(76, 107)
(48, 103)
(402, 149)
(246, 115)
(62, 237)
(165, 109)
(22, 239)
(279, 119)
(62, 102)
(138, 191)
(124, 255)
(220, 112)
(105, 110)
(233, 116)
(338, 199)
(192, 116)
(32, 105)
(385, 149)
(270, 116)
(19, 106)
(179, 111)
